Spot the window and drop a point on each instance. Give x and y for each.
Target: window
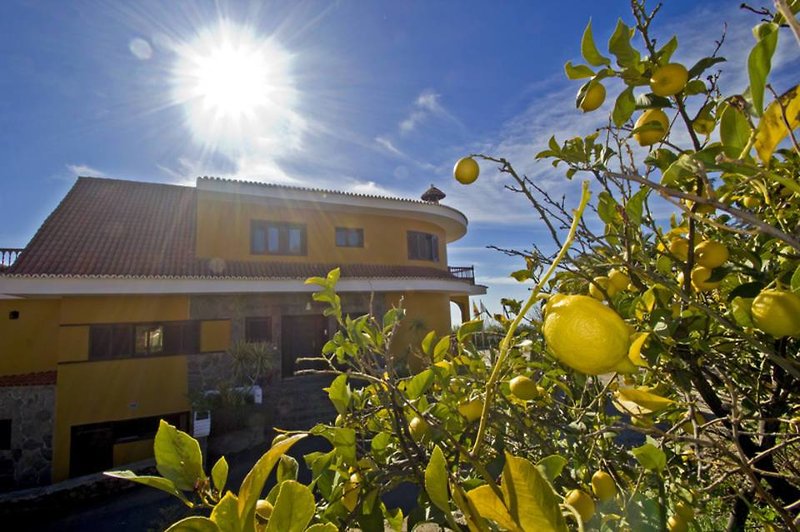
(423, 246)
(258, 329)
(273, 238)
(129, 339)
(5, 434)
(349, 238)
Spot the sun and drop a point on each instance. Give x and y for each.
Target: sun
(236, 87)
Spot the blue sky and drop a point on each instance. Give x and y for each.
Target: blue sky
(376, 97)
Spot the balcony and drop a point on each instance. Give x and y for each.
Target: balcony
(466, 273)
(8, 256)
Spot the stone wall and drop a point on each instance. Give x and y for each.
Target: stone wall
(28, 463)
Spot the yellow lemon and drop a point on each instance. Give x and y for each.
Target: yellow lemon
(263, 510)
(586, 335)
(777, 312)
(350, 492)
(471, 410)
(593, 98)
(619, 279)
(700, 276)
(676, 523)
(684, 510)
(582, 502)
(418, 428)
(649, 137)
(601, 282)
(669, 79)
(466, 170)
(710, 254)
(524, 388)
(751, 202)
(603, 486)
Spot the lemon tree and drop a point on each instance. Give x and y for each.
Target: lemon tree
(651, 380)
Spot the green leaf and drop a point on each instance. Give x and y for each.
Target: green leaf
(607, 208)
(419, 383)
(759, 63)
(634, 208)
(740, 308)
(158, 483)
(577, 71)
(521, 275)
(624, 107)
(293, 509)
(551, 466)
(287, 468)
(695, 86)
(648, 100)
(442, 347)
(468, 328)
(734, 131)
(343, 440)
(746, 290)
(703, 65)
(339, 393)
(795, 282)
(253, 483)
(195, 523)
(490, 507)
(436, 480)
(529, 498)
(427, 342)
(394, 518)
(333, 277)
(772, 128)
(322, 527)
(392, 316)
(219, 474)
(178, 457)
(680, 169)
(666, 51)
(620, 45)
(650, 457)
(225, 513)
(589, 50)
(661, 158)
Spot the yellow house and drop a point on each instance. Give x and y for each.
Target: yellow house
(116, 311)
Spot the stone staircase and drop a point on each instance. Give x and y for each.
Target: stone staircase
(300, 402)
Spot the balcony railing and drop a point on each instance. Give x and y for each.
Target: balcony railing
(466, 273)
(8, 256)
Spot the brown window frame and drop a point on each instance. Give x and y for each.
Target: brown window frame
(283, 228)
(346, 232)
(249, 325)
(419, 243)
(177, 338)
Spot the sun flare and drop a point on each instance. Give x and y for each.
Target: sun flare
(236, 88)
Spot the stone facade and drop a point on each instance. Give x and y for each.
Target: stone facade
(30, 409)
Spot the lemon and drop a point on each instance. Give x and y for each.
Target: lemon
(593, 98)
(350, 492)
(418, 428)
(669, 79)
(586, 335)
(710, 254)
(263, 510)
(751, 202)
(524, 388)
(649, 137)
(680, 248)
(619, 279)
(445, 365)
(676, 523)
(582, 502)
(601, 282)
(466, 170)
(703, 125)
(471, 409)
(777, 312)
(700, 276)
(603, 486)
(684, 510)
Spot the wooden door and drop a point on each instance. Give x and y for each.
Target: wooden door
(301, 336)
(91, 449)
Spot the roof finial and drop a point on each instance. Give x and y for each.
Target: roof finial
(433, 195)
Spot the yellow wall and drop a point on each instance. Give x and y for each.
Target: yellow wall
(219, 220)
(121, 309)
(215, 335)
(28, 344)
(425, 311)
(132, 451)
(93, 392)
(73, 343)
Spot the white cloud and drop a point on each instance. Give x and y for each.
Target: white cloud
(140, 48)
(84, 170)
(391, 148)
(427, 104)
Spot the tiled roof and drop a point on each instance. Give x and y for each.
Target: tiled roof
(40, 378)
(114, 228)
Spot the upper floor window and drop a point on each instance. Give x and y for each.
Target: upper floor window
(277, 238)
(129, 339)
(423, 246)
(347, 237)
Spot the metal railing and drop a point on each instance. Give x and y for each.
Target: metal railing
(466, 273)
(8, 256)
